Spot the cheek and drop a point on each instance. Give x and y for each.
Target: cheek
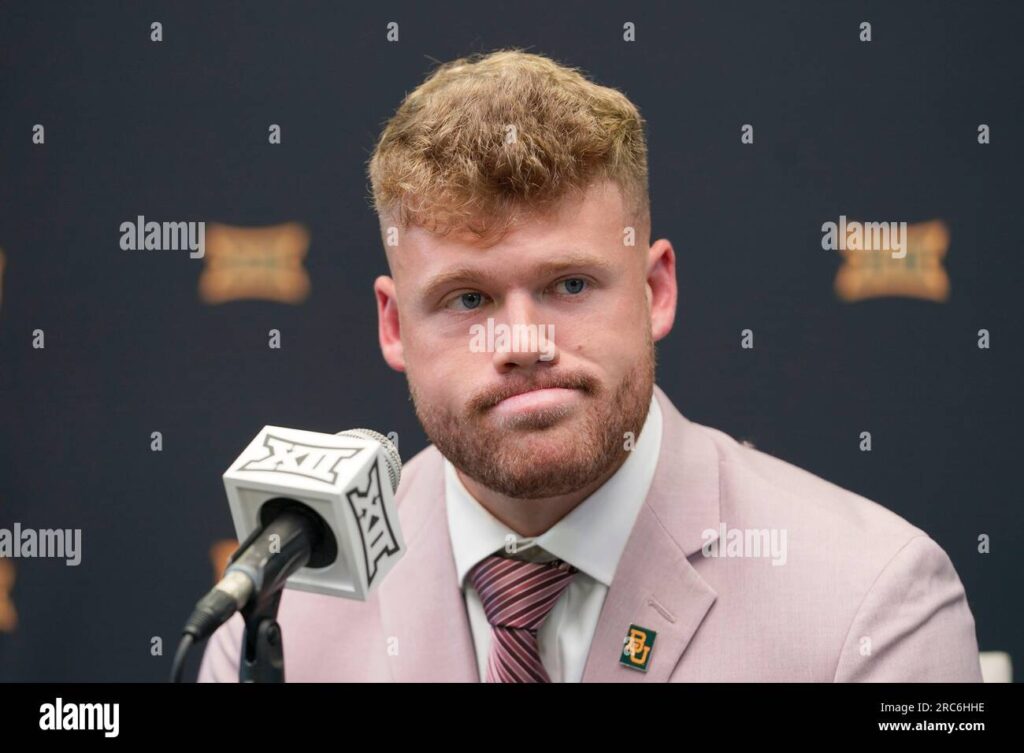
(612, 344)
(440, 365)
(615, 327)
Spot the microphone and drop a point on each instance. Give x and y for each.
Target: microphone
(312, 514)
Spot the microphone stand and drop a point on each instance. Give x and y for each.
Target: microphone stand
(262, 654)
(262, 657)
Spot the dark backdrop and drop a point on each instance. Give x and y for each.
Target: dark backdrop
(177, 130)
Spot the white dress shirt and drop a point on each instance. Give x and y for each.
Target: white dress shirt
(591, 537)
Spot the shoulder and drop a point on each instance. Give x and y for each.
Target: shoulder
(427, 464)
(837, 541)
(884, 582)
(754, 479)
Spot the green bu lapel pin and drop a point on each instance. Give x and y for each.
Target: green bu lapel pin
(637, 647)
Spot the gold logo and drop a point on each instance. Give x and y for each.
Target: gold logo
(636, 646)
(917, 274)
(8, 614)
(255, 263)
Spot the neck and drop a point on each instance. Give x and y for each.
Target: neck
(532, 517)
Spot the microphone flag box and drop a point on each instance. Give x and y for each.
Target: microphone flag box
(345, 480)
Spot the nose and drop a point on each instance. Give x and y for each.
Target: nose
(527, 340)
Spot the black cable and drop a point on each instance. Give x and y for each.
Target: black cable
(179, 658)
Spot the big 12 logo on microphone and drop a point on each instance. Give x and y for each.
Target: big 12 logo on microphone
(312, 461)
(339, 477)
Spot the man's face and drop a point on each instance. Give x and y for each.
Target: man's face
(518, 412)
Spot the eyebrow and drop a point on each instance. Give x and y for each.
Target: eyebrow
(545, 269)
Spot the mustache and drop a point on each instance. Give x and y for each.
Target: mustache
(513, 386)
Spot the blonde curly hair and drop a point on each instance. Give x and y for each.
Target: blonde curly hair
(489, 136)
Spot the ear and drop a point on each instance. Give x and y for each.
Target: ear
(388, 328)
(661, 287)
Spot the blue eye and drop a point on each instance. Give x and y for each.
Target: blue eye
(469, 300)
(574, 285)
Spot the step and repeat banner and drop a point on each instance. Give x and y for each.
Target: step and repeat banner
(188, 247)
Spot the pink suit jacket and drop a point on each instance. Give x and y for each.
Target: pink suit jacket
(863, 594)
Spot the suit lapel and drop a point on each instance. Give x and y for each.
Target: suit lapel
(655, 586)
(421, 605)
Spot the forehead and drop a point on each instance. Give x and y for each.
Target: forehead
(591, 224)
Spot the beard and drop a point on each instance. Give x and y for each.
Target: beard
(543, 453)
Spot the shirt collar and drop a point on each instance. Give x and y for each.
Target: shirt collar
(591, 537)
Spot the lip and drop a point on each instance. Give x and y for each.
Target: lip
(549, 397)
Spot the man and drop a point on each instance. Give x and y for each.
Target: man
(567, 523)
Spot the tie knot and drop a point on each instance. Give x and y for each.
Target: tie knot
(519, 594)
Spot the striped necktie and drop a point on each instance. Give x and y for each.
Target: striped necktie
(517, 597)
